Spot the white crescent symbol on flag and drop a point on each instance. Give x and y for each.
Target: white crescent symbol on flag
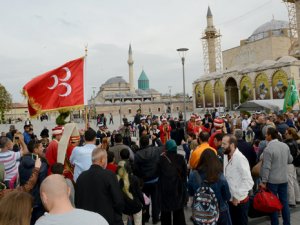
(69, 89)
(68, 74)
(55, 82)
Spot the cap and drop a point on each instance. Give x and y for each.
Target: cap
(193, 116)
(164, 119)
(143, 118)
(100, 125)
(198, 119)
(57, 130)
(218, 123)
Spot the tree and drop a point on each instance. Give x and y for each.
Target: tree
(5, 102)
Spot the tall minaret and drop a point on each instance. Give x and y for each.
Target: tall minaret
(210, 37)
(131, 75)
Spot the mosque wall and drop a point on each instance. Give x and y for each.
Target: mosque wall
(270, 48)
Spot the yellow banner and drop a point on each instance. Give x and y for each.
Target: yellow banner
(262, 87)
(219, 94)
(246, 89)
(279, 84)
(199, 96)
(208, 95)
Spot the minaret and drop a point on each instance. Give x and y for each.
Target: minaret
(210, 37)
(131, 75)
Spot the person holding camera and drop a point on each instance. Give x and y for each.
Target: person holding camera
(26, 168)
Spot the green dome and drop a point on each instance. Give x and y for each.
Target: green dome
(143, 82)
(143, 76)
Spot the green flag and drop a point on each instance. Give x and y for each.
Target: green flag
(291, 96)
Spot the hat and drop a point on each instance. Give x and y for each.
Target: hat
(164, 119)
(193, 116)
(100, 125)
(75, 136)
(258, 112)
(218, 123)
(171, 146)
(143, 118)
(198, 119)
(12, 127)
(57, 130)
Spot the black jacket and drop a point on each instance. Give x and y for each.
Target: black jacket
(248, 152)
(98, 190)
(25, 170)
(172, 181)
(146, 162)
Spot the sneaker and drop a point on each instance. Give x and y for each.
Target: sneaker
(292, 206)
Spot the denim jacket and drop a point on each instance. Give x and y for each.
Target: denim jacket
(220, 188)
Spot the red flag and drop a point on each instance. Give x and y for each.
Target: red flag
(61, 88)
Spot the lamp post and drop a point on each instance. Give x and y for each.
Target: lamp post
(182, 53)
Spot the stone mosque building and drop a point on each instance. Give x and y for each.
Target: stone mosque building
(119, 97)
(259, 68)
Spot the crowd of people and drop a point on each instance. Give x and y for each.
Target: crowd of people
(152, 168)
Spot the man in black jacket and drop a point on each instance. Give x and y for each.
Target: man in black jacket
(245, 148)
(146, 167)
(98, 190)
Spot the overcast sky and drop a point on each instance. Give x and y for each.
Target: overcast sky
(37, 36)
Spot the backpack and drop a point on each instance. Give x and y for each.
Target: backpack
(205, 206)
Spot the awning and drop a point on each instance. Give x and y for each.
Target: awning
(253, 105)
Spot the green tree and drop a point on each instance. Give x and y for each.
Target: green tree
(5, 102)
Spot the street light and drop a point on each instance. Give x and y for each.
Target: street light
(182, 53)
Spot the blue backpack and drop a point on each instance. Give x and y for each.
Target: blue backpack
(205, 206)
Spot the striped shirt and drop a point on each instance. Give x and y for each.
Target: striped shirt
(9, 159)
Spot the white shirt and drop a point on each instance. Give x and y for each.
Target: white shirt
(81, 158)
(245, 124)
(238, 176)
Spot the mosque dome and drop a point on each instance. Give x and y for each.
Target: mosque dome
(274, 26)
(116, 80)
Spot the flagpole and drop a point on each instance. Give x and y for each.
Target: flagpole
(84, 87)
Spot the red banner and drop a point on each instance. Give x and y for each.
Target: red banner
(61, 88)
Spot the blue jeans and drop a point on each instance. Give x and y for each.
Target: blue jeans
(281, 191)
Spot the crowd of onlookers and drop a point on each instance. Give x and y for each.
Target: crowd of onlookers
(150, 168)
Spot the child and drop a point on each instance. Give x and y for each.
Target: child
(111, 165)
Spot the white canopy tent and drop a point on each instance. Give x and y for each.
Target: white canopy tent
(254, 105)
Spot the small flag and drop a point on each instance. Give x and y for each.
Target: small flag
(291, 96)
(58, 89)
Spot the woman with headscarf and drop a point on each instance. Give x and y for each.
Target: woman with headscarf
(172, 185)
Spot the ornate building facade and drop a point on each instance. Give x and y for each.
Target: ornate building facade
(259, 68)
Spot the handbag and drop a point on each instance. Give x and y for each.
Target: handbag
(256, 169)
(266, 201)
(253, 213)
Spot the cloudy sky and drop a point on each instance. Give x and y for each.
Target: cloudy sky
(37, 36)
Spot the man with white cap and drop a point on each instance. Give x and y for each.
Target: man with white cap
(165, 130)
(197, 127)
(101, 133)
(143, 127)
(191, 124)
(218, 125)
(51, 152)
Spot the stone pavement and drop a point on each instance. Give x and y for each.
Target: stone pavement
(295, 218)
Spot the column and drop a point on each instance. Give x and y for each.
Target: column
(254, 92)
(214, 98)
(239, 96)
(225, 98)
(203, 101)
(271, 89)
